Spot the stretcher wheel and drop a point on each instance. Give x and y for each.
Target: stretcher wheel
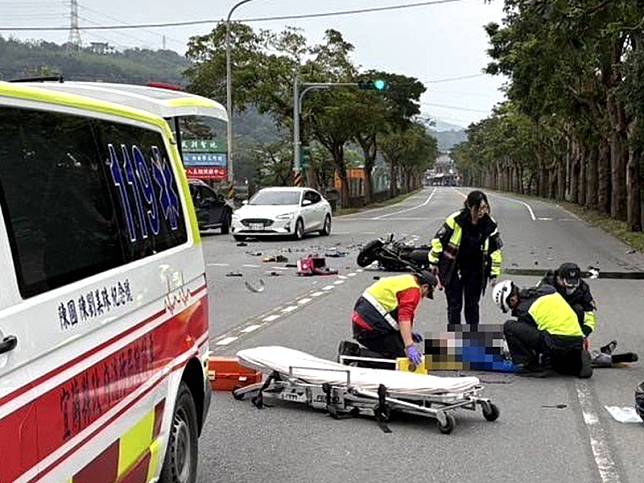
(491, 412)
(238, 396)
(448, 427)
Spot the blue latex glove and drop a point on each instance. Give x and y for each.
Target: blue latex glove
(416, 337)
(413, 355)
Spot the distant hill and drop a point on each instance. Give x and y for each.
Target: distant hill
(448, 139)
(136, 66)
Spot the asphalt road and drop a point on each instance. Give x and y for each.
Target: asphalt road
(529, 442)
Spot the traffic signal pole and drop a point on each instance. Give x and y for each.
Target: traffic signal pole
(297, 109)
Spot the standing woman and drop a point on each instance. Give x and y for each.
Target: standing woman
(465, 253)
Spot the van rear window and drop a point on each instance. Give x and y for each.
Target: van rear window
(81, 196)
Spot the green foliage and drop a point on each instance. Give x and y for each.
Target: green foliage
(137, 66)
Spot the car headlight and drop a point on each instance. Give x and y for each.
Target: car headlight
(285, 216)
(236, 216)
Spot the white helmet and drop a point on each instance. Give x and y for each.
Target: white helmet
(501, 293)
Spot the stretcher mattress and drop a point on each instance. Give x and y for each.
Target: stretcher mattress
(314, 370)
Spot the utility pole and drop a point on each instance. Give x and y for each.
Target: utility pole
(229, 94)
(74, 33)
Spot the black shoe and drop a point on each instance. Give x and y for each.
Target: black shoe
(609, 348)
(586, 370)
(348, 348)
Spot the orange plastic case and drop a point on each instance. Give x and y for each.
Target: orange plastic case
(226, 374)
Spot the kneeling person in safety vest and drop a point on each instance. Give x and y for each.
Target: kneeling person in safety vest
(545, 334)
(384, 315)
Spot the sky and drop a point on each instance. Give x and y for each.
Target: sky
(432, 43)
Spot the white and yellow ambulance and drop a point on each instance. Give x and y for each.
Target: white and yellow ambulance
(103, 299)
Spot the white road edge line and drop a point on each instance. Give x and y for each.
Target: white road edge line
(271, 318)
(601, 452)
(227, 341)
(424, 203)
(534, 218)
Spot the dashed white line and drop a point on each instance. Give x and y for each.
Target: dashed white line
(249, 265)
(227, 340)
(328, 287)
(291, 308)
(342, 277)
(218, 264)
(360, 270)
(544, 219)
(338, 282)
(304, 301)
(603, 458)
(270, 318)
(351, 274)
(251, 328)
(279, 268)
(317, 294)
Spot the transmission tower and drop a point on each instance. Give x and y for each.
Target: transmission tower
(74, 33)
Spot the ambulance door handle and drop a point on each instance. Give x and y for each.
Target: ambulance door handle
(9, 343)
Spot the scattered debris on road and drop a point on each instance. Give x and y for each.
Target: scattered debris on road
(234, 274)
(256, 289)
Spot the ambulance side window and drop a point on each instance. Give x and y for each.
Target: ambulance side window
(143, 187)
(61, 221)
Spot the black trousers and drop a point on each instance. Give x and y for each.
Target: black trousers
(387, 346)
(464, 285)
(526, 342)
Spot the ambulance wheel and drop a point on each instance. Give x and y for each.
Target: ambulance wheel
(180, 464)
(449, 425)
(491, 412)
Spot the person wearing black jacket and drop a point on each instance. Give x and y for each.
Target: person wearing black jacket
(466, 253)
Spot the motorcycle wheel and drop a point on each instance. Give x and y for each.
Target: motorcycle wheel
(369, 253)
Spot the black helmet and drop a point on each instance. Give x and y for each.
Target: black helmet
(570, 274)
(425, 277)
(639, 400)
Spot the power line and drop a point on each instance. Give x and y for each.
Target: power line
(454, 107)
(247, 20)
(452, 79)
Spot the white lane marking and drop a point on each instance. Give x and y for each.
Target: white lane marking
(347, 217)
(603, 458)
(360, 270)
(351, 274)
(304, 301)
(544, 219)
(342, 277)
(227, 341)
(270, 318)
(328, 287)
(317, 294)
(218, 264)
(424, 203)
(534, 218)
(279, 268)
(289, 309)
(251, 328)
(248, 265)
(338, 282)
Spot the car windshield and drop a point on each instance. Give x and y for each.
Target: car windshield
(276, 198)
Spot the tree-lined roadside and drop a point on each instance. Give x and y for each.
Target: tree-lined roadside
(335, 122)
(572, 126)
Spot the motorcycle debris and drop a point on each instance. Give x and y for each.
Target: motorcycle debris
(258, 289)
(555, 406)
(234, 274)
(254, 254)
(275, 259)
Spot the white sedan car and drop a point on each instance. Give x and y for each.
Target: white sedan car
(282, 211)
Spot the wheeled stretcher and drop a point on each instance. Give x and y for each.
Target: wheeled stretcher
(346, 391)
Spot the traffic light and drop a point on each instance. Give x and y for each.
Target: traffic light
(379, 85)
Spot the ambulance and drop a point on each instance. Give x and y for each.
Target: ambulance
(103, 297)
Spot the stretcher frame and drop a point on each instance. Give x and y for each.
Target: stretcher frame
(348, 400)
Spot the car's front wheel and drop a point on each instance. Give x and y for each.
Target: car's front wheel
(298, 234)
(181, 457)
(225, 226)
(326, 229)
